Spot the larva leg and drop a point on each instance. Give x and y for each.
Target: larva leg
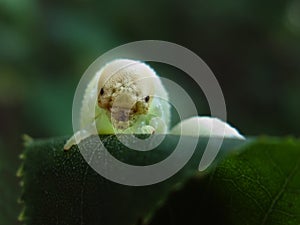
(142, 129)
(146, 130)
(158, 125)
(80, 135)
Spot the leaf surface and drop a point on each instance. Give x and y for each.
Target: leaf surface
(255, 182)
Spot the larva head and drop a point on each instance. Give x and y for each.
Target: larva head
(125, 90)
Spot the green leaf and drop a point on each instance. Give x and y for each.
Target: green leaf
(60, 187)
(9, 190)
(253, 183)
(259, 185)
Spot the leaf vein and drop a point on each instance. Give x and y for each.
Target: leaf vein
(248, 195)
(280, 193)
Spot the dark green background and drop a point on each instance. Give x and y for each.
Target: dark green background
(252, 46)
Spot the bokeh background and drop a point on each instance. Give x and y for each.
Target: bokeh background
(252, 46)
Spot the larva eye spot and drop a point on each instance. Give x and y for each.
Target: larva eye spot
(102, 91)
(147, 98)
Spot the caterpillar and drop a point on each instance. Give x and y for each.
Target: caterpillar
(127, 96)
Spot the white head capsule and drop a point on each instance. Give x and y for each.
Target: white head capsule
(125, 90)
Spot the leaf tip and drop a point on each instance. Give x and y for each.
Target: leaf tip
(27, 140)
(21, 216)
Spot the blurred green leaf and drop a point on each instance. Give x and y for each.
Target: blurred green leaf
(49, 105)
